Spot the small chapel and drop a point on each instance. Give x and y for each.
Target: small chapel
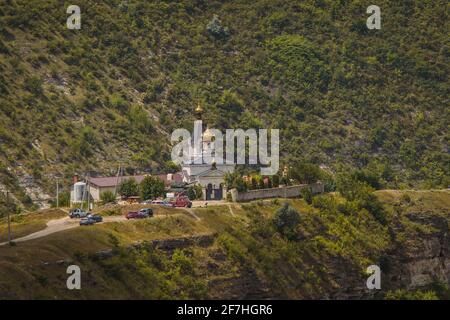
(210, 176)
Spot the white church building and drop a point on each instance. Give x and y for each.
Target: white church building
(209, 175)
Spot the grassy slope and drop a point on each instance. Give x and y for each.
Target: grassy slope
(246, 260)
(24, 224)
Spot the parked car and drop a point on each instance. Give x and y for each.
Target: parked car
(136, 215)
(95, 217)
(183, 202)
(78, 213)
(86, 221)
(163, 202)
(147, 211)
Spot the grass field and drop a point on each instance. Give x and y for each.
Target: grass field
(26, 223)
(331, 244)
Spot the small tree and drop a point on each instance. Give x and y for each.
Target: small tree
(261, 183)
(276, 181)
(107, 197)
(194, 192)
(307, 195)
(254, 183)
(151, 188)
(129, 188)
(305, 173)
(64, 200)
(234, 180)
(286, 220)
(269, 182)
(215, 28)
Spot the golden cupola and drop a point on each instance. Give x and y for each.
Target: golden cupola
(208, 135)
(199, 111)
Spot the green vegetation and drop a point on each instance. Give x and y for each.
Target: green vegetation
(195, 192)
(264, 250)
(107, 197)
(342, 95)
(159, 276)
(151, 188)
(128, 188)
(25, 223)
(403, 294)
(286, 220)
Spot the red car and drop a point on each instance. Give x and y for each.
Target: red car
(135, 215)
(182, 202)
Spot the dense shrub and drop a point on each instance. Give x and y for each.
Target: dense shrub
(107, 197)
(128, 188)
(151, 188)
(286, 220)
(216, 29)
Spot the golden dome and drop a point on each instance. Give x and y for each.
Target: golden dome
(199, 109)
(208, 135)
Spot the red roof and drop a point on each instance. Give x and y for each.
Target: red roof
(104, 182)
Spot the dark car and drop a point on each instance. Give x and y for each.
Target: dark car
(147, 211)
(136, 215)
(86, 221)
(95, 217)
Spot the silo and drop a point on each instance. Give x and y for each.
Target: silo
(78, 190)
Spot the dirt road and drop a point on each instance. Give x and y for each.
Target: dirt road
(65, 223)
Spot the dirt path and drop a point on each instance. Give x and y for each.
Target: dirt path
(191, 213)
(66, 223)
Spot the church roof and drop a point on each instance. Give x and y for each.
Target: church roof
(212, 173)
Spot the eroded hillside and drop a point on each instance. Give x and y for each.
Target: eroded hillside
(113, 91)
(240, 254)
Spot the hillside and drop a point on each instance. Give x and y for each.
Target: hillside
(112, 92)
(240, 254)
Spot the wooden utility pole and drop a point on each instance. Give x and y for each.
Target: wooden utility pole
(82, 198)
(88, 193)
(9, 217)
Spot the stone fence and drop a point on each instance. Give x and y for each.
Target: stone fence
(281, 192)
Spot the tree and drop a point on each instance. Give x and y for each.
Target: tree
(64, 199)
(107, 197)
(234, 180)
(269, 182)
(151, 187)
(254, 183)
(216, 29)
(128, 188)
(276, 181)
(261, 184)
(362, 194)
(305, 173)
(286, 220)
(307, 195)
(194, 192)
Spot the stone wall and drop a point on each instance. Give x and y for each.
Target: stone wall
(281, 192)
